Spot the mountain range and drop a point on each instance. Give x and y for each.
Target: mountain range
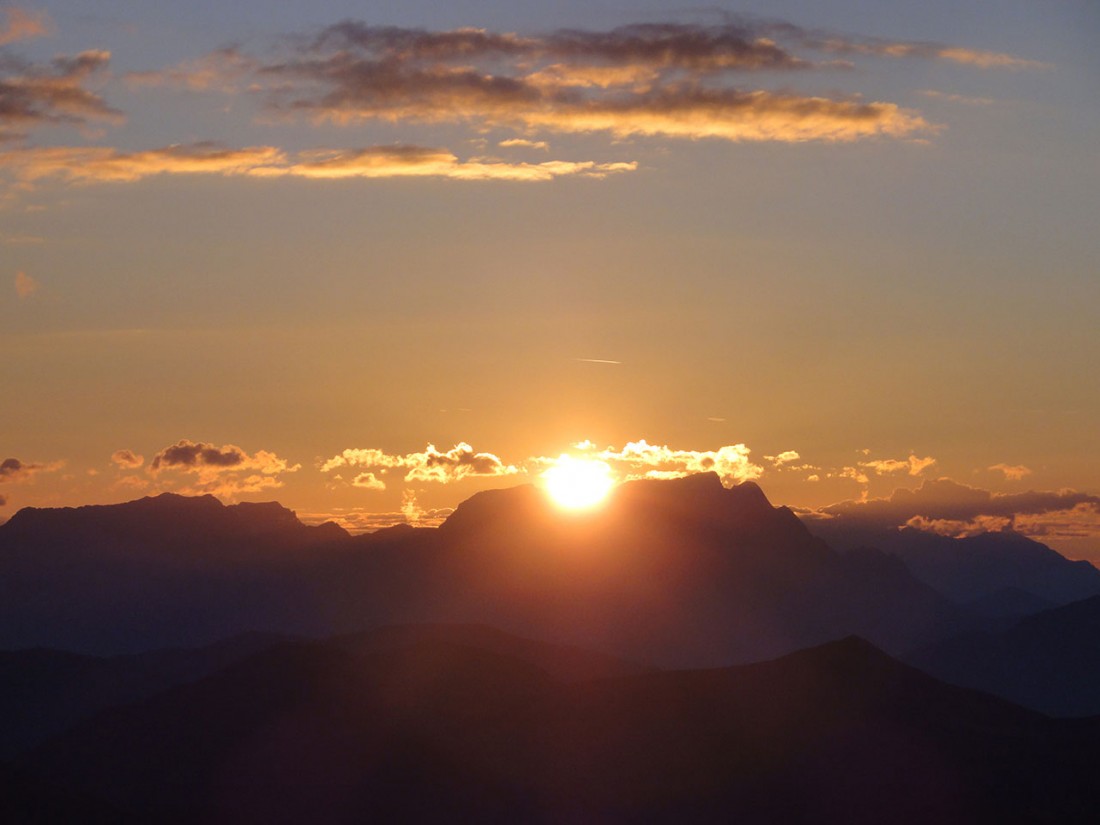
(674, 573)
(701, 656)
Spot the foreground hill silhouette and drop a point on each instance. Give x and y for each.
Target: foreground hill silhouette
(44, 692)
(435, 731)
(679, 572)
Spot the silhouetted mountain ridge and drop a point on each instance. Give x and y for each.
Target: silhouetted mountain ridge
(1049, 661)
(671, 572)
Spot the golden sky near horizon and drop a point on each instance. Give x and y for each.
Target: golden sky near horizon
(367, 261)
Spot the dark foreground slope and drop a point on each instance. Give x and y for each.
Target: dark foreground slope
(1049, 661)
(44, 692)
(443, 732)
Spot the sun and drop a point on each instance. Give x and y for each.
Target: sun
(578, 483)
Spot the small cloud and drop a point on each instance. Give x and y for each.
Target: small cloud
(226, 471)
(368, 481)
(858, 476)
(913, 465)
(457, 463)
(410, 509)
(25, 285)
(785, 457)
(716, 419)
(1012, 472)
(954, 98)
(104, 164)
(15, 471)
(522, 143)
(23, 24)
(639, 459)
(127, 459)
(599, 361)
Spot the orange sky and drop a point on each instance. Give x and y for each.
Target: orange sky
(367, 262)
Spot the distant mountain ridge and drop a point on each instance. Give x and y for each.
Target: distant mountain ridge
(681, 572)
(1049, 661)
(972, 568)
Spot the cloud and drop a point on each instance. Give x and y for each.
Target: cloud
(363, 521)
(943, 504)
(127, 459)
(1012, 472)
(35, 95)
(851, 46)
(523, 143)
(956, 98)
(785, 457)
(226, 471)
(368, 481)
(661, 79)
(220, 70)
(25, 285)
(431, 465)
(913, 466)
(23, 24)
(14, 471)
(101, 164)
(639, 459)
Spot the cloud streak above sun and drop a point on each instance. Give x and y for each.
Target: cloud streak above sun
(731, 81)
(94, 164)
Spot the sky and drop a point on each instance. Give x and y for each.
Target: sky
(368, 258)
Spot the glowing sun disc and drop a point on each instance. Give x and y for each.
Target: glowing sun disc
(577, 484)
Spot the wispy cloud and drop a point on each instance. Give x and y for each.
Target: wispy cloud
(1011, 472)
(14, 471)
(430, 465)
(54, 93)
(98, 164)
(913, 465)
(226, 471)
(17, 23)
(25, 285)
(127, 459)
(944, 505)
(639, 459)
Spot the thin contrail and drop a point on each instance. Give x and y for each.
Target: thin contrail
(598, 361)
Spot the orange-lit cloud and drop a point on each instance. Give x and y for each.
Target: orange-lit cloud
(957, 98)
(226, 471)
(1012, 472)
(14, 471)
(55, 93)
(358, 520)
(220, 70)
(25, 285)
(523, 143)
(913, 465)
(663, 79)
(100, 164)
(785, 457)
(23, 24)
(639, 459)
(949, 501)
(127, 459)
(431, 465)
